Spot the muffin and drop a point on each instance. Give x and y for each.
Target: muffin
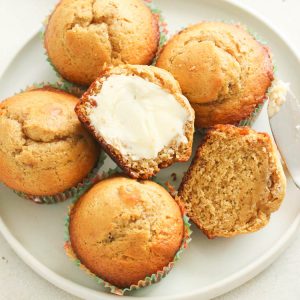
(234, 183)
(44, 149)
(84, 35)
(139, 116)
(223, 71)
(141, 230)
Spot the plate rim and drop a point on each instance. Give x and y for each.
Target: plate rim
(213, 290)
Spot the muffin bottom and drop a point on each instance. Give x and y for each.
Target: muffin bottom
(73, 192)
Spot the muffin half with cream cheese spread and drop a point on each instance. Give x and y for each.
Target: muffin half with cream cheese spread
(140, 117)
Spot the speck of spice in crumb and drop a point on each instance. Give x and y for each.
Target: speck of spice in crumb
(174, 176)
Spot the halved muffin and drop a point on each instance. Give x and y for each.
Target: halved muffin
(223, 71)
(140, 117)
(234, 182)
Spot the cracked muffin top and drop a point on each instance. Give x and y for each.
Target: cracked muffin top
(84, 35)
(141, 230)
(42, 141)
(223, 71)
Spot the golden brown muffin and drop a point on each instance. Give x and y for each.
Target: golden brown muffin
(234, 182)
(44, 150)
(84, 35)
(123, 230)
(140, 118)
(223, 71)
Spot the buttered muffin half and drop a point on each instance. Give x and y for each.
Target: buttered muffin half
(223, 71)
(140, 117)
(84, 35)
(234, 183)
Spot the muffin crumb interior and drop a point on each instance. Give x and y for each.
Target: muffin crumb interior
(234, 184)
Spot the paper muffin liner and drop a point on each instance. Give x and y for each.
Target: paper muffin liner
(163, 27)
(251, 119)
(59, 85)
(89, 180)
(148, 280)
(72, 193)
(163, 30)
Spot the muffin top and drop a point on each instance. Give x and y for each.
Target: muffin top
(234, 183)
(42, 140)
(222, 70)
(123, 230)
(83, 35)
(160, 128)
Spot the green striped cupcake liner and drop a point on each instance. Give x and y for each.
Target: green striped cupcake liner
(163, 30)
(246, 122)
(59, 85)
(147, 281)
(163, 26)
(249, 121)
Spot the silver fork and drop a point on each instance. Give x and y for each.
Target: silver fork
(285, 126)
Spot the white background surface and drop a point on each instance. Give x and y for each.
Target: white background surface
(18, 19)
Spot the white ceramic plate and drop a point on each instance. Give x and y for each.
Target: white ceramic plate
(209, 267)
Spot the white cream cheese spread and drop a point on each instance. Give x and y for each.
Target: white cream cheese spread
(138, 117)
(277, 96)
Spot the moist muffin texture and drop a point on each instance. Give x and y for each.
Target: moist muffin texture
(44, 149)
(141, 168)
(141, 230)
(223, 71)
(234, 183)
(84, 35)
